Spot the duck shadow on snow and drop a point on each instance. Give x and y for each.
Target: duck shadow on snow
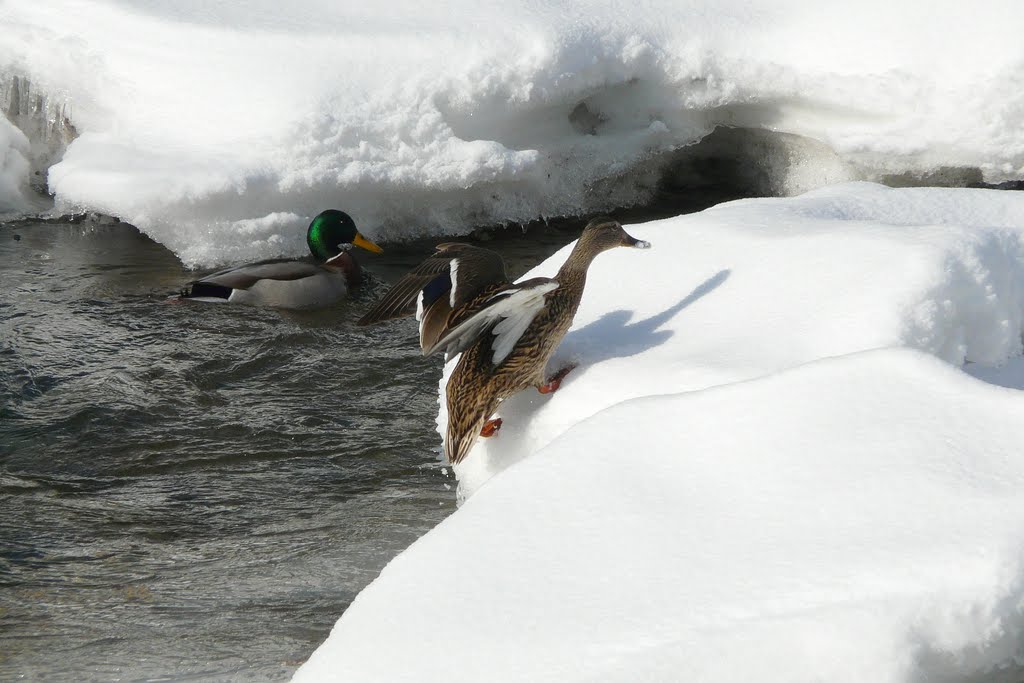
(610, 336)
(613, 336)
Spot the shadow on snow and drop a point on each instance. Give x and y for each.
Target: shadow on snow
(613, 336)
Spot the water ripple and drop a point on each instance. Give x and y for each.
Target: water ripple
(194, 492)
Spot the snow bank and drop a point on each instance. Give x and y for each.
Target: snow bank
(749, 477)
(855, 519)
(752, 287)
(220, 129)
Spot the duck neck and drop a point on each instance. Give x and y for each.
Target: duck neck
(348, 266)
(573, 273)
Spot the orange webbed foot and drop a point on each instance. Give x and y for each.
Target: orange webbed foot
(490, 427)
(556, 380)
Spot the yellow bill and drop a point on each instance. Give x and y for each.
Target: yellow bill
(366, 244)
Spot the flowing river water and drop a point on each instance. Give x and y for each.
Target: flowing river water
(197, 492)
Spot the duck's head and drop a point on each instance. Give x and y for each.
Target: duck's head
(333, 232)
(604, 233)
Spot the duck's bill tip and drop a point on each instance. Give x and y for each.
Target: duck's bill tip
(366, 244)
(631, 241)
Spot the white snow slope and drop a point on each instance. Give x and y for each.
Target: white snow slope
(761, 470)
(220, 127)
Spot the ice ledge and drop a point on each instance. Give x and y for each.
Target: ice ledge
(196, 126)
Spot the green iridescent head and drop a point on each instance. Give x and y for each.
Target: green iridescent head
(333, 232)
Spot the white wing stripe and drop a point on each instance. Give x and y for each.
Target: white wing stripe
(453, 268)
(523, 306)
(419, 312)
(508, 331)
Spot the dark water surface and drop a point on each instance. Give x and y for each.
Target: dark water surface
(197, 492)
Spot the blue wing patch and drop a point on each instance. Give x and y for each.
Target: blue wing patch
(435, 289)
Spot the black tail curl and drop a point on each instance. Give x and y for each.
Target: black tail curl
(206, 290)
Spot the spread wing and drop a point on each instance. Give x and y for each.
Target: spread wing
(506, 314)
(455, 275)
(244, 277)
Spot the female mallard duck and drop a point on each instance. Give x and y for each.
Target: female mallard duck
(506, 332)
(289, 283)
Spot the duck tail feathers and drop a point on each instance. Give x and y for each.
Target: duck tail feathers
(457, 445)
(206, 291)
(466, 417)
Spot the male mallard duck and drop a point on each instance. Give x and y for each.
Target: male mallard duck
(289, 283)
(506, 332)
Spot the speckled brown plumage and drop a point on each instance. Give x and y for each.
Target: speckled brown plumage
(472, 321)
(476, 386)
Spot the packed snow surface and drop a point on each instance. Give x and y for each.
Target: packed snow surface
(220, 128)
(768, 465)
